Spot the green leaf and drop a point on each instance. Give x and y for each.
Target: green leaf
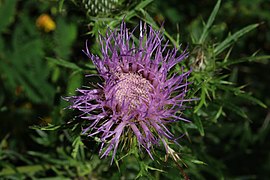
(198, 124)
(152, 22)
(64, 63)
(23, 66)
(143, 4)
(198, 162)
(74, 82)
(219, 112)
(144, 170)
(252, 99)
(131, 13)
(65, 35)
(77, 143)
(202, 99)
(7, 12)
(209, 22)
(49, 127)
(24, 169)
(60, 6)
(236, 109)
(245, 59)
(233, 38)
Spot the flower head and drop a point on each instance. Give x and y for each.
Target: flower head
(138, 96)
(45, 22)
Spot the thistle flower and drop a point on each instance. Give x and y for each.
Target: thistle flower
(138, 97)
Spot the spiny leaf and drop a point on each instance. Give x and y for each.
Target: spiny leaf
(152, 22)
(252, 99)
(246, 59)
(143, 4)
(233, 38)
(198, 123)
(209, 22)
(219, 112)
(202, 99)
(129, 14)
(236, 109)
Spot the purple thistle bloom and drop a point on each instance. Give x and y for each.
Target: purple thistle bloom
(138, 97)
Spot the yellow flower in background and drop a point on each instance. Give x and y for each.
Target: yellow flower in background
(45, 22)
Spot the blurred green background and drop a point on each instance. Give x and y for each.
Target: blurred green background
(41, 61)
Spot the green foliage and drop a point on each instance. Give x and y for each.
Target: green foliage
(208, 24)
(233, 38)
(64, 37)
(229, 129)
(7, 10)
(21, 55)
